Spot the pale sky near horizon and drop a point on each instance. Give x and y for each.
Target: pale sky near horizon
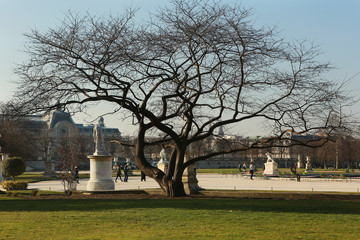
(332, 24)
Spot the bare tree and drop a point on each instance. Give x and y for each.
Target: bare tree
(16, 139)
(70, 152)
(195, 67)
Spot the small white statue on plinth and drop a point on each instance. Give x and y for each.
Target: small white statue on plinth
(99, 139)
(308, 167)
(163, 163)
(271, 167)
(299, 162)
(189, 176)
(100, 163)
(163, 156)
(49, 164)
(269, 159)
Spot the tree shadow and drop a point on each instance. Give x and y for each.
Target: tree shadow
(252, 205)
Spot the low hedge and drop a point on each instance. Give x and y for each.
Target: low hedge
(14, 185)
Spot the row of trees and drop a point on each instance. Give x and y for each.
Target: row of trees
(18, 140)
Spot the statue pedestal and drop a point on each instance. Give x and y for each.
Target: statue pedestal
(4, 156)
(100, 173)
(162, 165)
(271, 168)
(190, 181)
(49, 169)
(1, 177)
(73, 186)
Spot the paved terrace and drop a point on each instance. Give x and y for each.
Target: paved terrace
(229, 182)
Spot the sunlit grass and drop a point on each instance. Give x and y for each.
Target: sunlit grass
(178, 219)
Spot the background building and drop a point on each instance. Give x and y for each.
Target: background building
(57, 129)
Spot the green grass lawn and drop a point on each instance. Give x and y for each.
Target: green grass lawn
(178, 219)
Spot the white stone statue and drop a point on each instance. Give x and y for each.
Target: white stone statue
(299, 163)
(308, 166)
(49, 152)
(99, 139)
(269, 159)
(271, 167)
(162, 156)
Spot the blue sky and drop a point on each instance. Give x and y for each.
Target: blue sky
(332, 24)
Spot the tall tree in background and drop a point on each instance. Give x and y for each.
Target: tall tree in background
(70, 151)
(16, 139)
(196, 66)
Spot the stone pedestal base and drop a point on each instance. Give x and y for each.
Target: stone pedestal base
(162, 166)
(49, 169)
(73, 186)
(190, 181)
(4, 156)
(271, 168)
(100, 173)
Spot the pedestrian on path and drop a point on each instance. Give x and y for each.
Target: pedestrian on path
(118, 173)
(143, 177)
(76, 175)
(252, 169)
(244, 166)
(126, 173)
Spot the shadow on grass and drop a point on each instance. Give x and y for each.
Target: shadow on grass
(253, 205)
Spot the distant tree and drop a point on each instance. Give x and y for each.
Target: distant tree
(15, 139)
(13, 167)
(193, 68)
(70, 152)
(347, 147)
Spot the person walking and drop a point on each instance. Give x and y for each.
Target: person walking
(143, 177)
(239, 167)
(252, 169)
(244, 166)
(76, 175)
(118, 173)
(126, 173)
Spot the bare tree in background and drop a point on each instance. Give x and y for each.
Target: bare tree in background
(16, 139)
(70, 152)
(196, 66)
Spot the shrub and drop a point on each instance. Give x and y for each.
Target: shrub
(13, 167)
(15, 194)
(15, 185)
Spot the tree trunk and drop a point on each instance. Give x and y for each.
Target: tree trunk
(171, 182)
(171, 188)
(176, 189)
(336, 155)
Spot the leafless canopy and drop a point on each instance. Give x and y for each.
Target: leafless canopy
(194, 67)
